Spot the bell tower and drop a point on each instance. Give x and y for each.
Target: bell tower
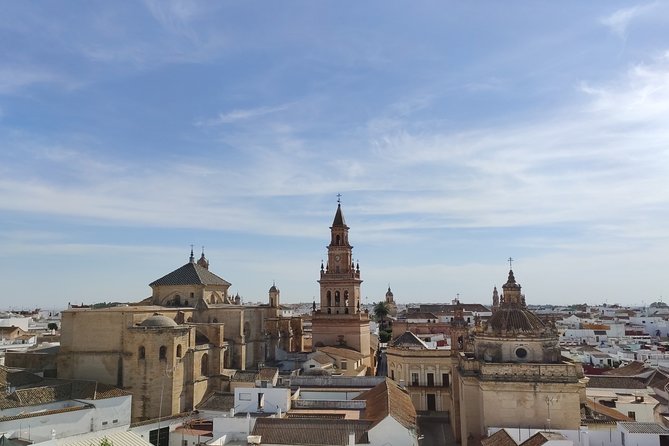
(340, 278)
(339, 320)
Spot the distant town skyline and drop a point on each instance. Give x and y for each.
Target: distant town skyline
(457, 134)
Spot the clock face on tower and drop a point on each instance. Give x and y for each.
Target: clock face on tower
(337, 258)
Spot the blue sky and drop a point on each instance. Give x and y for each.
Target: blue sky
(458, 133)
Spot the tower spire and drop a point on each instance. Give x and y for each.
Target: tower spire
(192, 257)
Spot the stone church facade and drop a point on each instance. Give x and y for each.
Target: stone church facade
(174, 347)
(508, 374)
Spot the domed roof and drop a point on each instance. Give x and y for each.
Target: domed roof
(158, 321)
(273, 289)
(514, 320)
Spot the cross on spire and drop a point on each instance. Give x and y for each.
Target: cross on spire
(338, 198)
(510, 260)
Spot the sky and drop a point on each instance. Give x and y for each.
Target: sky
(458, 134)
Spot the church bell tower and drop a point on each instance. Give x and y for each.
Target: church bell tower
(340, 279)
(339, 321)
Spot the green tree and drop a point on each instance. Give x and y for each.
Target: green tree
(381, 311)
(52, 326)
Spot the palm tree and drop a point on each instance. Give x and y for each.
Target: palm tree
(381, 311)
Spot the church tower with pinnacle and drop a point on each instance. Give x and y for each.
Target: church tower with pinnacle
(339, 322)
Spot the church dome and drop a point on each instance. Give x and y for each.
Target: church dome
(158, 321)
(513, 316)
(514, 320)
(273, 289)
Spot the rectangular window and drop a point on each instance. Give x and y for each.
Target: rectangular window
(392, 375)
(445, 380)
(244, 397)
(414, 379)
(430, 379)
(160, 437)
(344, 365)
(632, 415)
(104, 423)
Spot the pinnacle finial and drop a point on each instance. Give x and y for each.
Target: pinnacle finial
(338, 198)
(192, 257)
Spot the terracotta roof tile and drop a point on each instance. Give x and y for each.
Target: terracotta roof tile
(614, 382)
(308, 431)
(408, 340)
(341, 352)
(388, 399)
(499, 438)
(608, 412)
(190, 274)
(218, 401)
(631, 369)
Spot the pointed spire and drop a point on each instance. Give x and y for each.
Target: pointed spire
(339, 216)
(192, 257)
(511, 278)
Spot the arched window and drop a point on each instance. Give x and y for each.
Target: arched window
(179, 351)
(163, 353)
(338, 241)
(204, 365)
(337, 298)
(346, 297)
(329, 297)
(141, 352)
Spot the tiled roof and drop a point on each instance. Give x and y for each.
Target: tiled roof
(614, 382)
(448, 308)
(422, 315)
(244, 376)
(190, 274)
(218, 401)
(499, 438)
(607, 412)
(541, 438)
(643, 428)
(388, 399)
(268, 373)
(631, 369)
(308, 431)
(48, 391)
(16, 378)
(341, 352)
(408, 340)
(321, 358)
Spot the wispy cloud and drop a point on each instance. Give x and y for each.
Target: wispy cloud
(602, 160)
(241, 115)
(621, 19)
